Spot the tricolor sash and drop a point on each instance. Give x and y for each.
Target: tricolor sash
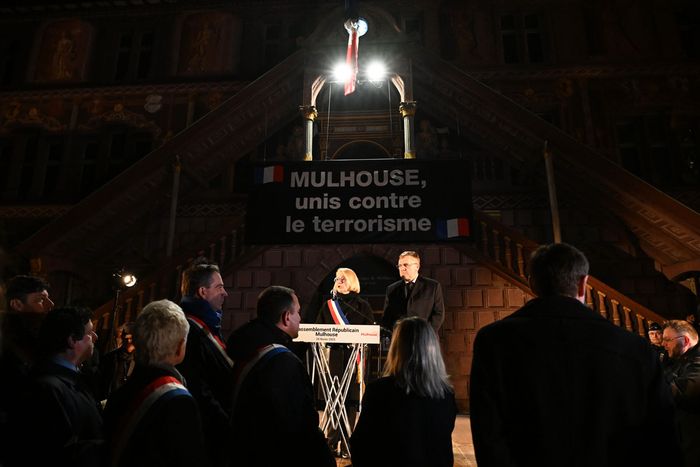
(337, 314)
(263, 353)
(163, 388)
(213, 338)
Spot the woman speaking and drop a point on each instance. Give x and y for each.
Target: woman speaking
(353, 309)
(345, 307)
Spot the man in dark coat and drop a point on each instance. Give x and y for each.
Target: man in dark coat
(274, 421)
(681, 342)
(152, 420)
(655, 334)
(28, 302)
(555, 384)
(207, 367)
(413, 295)
(29, 293)
(62, 424)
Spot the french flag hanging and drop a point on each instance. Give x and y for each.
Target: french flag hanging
(451, 228)
(269, 174)
(351, 57)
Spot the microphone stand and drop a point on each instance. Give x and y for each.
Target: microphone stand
(352, 308)
(115, 312)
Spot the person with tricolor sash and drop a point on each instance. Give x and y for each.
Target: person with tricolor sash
(345, 306)
(206, 366)
(274, 421)
(153, 420)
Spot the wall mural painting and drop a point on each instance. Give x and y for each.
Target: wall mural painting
(205, 43)
(64, 51)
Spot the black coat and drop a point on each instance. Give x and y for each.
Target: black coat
(274, 421)
(356, 309)
(208, 376)
(396, 429)
(555, 384)
(684, 377)
(170, 432)
(18, 352)
(62, 424)
(425, 301)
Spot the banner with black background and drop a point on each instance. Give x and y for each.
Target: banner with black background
(359, 201)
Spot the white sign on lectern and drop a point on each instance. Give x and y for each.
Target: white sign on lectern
(339, 334)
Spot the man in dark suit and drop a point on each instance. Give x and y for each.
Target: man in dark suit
(683, 374)
(556, 384)
(62, 425)
(413, 295)
(274, 420)
(206, 366)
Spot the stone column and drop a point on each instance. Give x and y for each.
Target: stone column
(408, 110)
(309, 114)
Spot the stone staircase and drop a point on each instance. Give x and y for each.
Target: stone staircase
(665, 229)
(506, 251)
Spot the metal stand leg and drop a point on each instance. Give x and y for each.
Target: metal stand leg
(335, 391)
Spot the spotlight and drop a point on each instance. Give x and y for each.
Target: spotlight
(376, 71)
(124, 279)
(129, 280)
(341, 72)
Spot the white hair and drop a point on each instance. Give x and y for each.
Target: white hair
(159, 329)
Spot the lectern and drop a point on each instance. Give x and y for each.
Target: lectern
(333, 388)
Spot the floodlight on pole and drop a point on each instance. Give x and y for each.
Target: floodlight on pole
(341, 72)
(376, 71)
(121, 280)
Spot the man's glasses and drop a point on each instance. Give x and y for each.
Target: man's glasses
(405, 265)
(669, 339)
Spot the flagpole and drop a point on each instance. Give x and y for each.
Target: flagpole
(552, 189)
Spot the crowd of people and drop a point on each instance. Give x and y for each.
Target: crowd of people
(553, 384)
(174, 392)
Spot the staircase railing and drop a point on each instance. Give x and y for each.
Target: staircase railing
(224, 249)
(508, 251)
(668, 230)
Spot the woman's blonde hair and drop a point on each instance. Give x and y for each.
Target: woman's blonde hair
(350, 279)
(415, 359)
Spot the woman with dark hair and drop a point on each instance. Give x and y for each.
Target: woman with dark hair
(408, 415)
(345, 307)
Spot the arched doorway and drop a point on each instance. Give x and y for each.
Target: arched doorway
(361, 150)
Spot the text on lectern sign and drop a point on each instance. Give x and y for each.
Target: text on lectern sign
(339, 334)
(359, 201)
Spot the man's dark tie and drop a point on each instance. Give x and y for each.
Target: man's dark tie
(408, 286)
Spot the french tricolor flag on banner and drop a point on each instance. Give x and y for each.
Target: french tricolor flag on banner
(270, 174)
(450, 228)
